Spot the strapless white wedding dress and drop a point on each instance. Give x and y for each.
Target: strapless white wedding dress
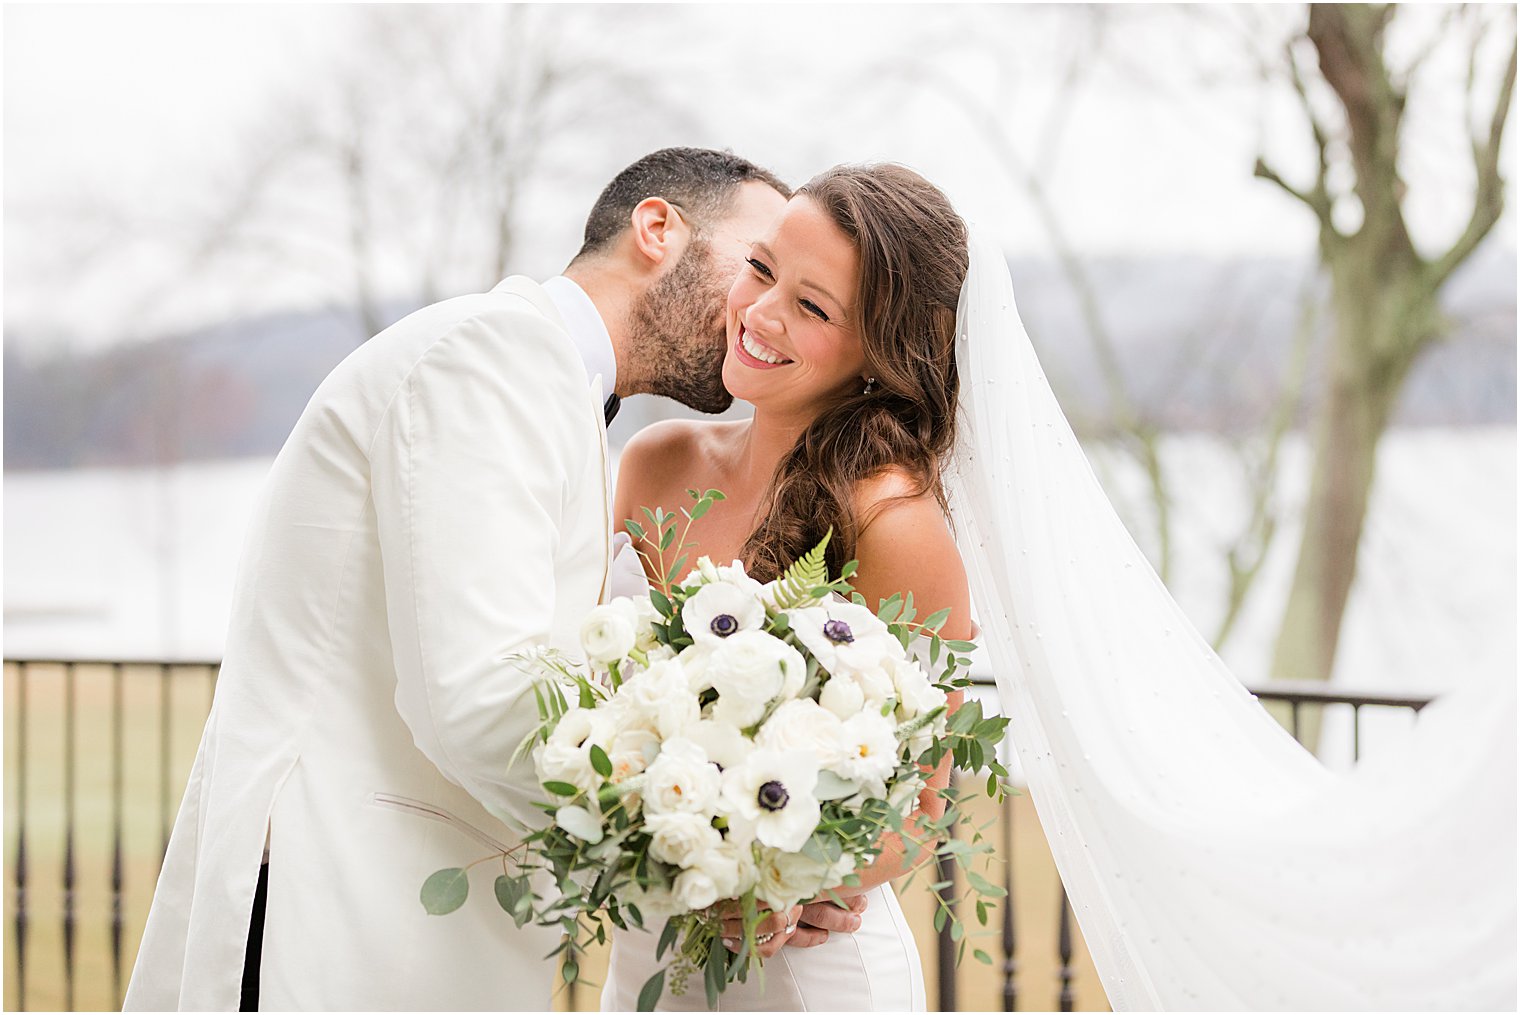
(874, 969)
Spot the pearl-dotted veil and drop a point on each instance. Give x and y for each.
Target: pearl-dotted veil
(1212, 862)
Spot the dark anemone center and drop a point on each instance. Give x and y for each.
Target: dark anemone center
(773, 796)
(838, 632)
(724, 625)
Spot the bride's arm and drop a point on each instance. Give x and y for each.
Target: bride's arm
(906, 546)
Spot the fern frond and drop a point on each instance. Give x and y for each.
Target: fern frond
(807, 573)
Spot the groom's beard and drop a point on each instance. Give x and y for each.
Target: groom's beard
(679, 336)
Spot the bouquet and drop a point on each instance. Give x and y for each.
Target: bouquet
(725, 740)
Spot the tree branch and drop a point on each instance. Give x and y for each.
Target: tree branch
(1488, 202)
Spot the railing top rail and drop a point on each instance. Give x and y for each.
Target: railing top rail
(1302, 691)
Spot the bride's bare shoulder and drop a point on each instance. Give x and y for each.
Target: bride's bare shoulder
(662, 460)
(905, 543)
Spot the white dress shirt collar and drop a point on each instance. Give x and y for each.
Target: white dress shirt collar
(587, 330)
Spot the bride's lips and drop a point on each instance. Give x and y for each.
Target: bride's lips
(748, 359)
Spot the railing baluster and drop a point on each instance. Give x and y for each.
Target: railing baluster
(944, 868)
(68, 836)
(1294, 706)
(22, 669)
(1356, 732)
(163, 759)
(1064, 946)
(118, 755)
(1010, 963)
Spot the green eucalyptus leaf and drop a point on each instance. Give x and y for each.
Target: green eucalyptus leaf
(601, 762)
(649, 996)
(634, 528)
(667, 937)
(445, 890)
(560, 788)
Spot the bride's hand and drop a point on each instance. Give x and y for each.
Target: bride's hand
(772, 934)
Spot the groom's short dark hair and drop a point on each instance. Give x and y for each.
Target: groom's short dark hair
(702, 181)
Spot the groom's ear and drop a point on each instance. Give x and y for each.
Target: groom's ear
(659, 232)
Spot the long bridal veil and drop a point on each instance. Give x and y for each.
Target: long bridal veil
(1211, 861)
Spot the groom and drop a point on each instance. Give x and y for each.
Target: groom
(441, 504)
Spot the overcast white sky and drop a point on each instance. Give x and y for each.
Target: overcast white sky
(122, 112)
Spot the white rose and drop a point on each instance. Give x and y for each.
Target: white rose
(786, 878)
(722, 742)
(770, 798)
(661, 697)
(802, 725)
(580, 823)
(749, 671)
(680, 837)
(609, 631)
(695, 889)
(868, 748)
(844, 637)
(681, 778)
(719, 611)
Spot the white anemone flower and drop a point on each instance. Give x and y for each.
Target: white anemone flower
(844, 637)
(719, 611)
(771, 797)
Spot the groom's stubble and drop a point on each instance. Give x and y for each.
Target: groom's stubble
(678, 333)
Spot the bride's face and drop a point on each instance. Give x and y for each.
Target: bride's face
(794, 338)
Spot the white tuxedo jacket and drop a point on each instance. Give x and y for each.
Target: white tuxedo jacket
(442, 503)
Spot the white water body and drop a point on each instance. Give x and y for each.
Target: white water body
(139, 564)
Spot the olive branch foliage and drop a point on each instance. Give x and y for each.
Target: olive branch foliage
(592, 882)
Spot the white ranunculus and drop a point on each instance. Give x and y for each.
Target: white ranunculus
(722, 741)
(786, 878)
(679, 837)
(842, 697)
(719, 611)
(681, 778)
(696, 662)
(656, 903)
(646, 615)
(661, 697)
(610, 631)
(770, 798)
(566, 756)
(914, 692)
(749, 671)
(868, 748)
(904, 795)
(631, 752)
(695, 889)
(803, 725)
(844, 637)
(731, 865)
(579, 822)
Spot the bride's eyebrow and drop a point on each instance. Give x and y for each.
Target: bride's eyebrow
(770, 255)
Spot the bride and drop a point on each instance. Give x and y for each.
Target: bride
(1211, 861)
(842, 336)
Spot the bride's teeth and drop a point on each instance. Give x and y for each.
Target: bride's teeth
(756, 351)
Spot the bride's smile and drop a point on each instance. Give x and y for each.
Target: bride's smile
(794, 336)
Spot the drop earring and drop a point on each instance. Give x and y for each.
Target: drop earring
(870, 386)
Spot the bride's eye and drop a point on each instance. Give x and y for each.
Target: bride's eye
(759, 266)
(815, 310)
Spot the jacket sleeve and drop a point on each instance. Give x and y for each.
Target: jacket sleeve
(468, 476)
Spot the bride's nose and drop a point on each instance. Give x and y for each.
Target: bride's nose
(763, 316)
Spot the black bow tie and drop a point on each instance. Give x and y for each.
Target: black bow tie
(610, 407)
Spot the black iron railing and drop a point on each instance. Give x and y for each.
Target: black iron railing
(168, 709)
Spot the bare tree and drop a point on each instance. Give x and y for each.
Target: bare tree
(1384, 293)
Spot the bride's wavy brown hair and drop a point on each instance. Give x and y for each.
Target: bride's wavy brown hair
(913, 259)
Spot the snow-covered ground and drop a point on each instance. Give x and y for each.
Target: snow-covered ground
(128, 564)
